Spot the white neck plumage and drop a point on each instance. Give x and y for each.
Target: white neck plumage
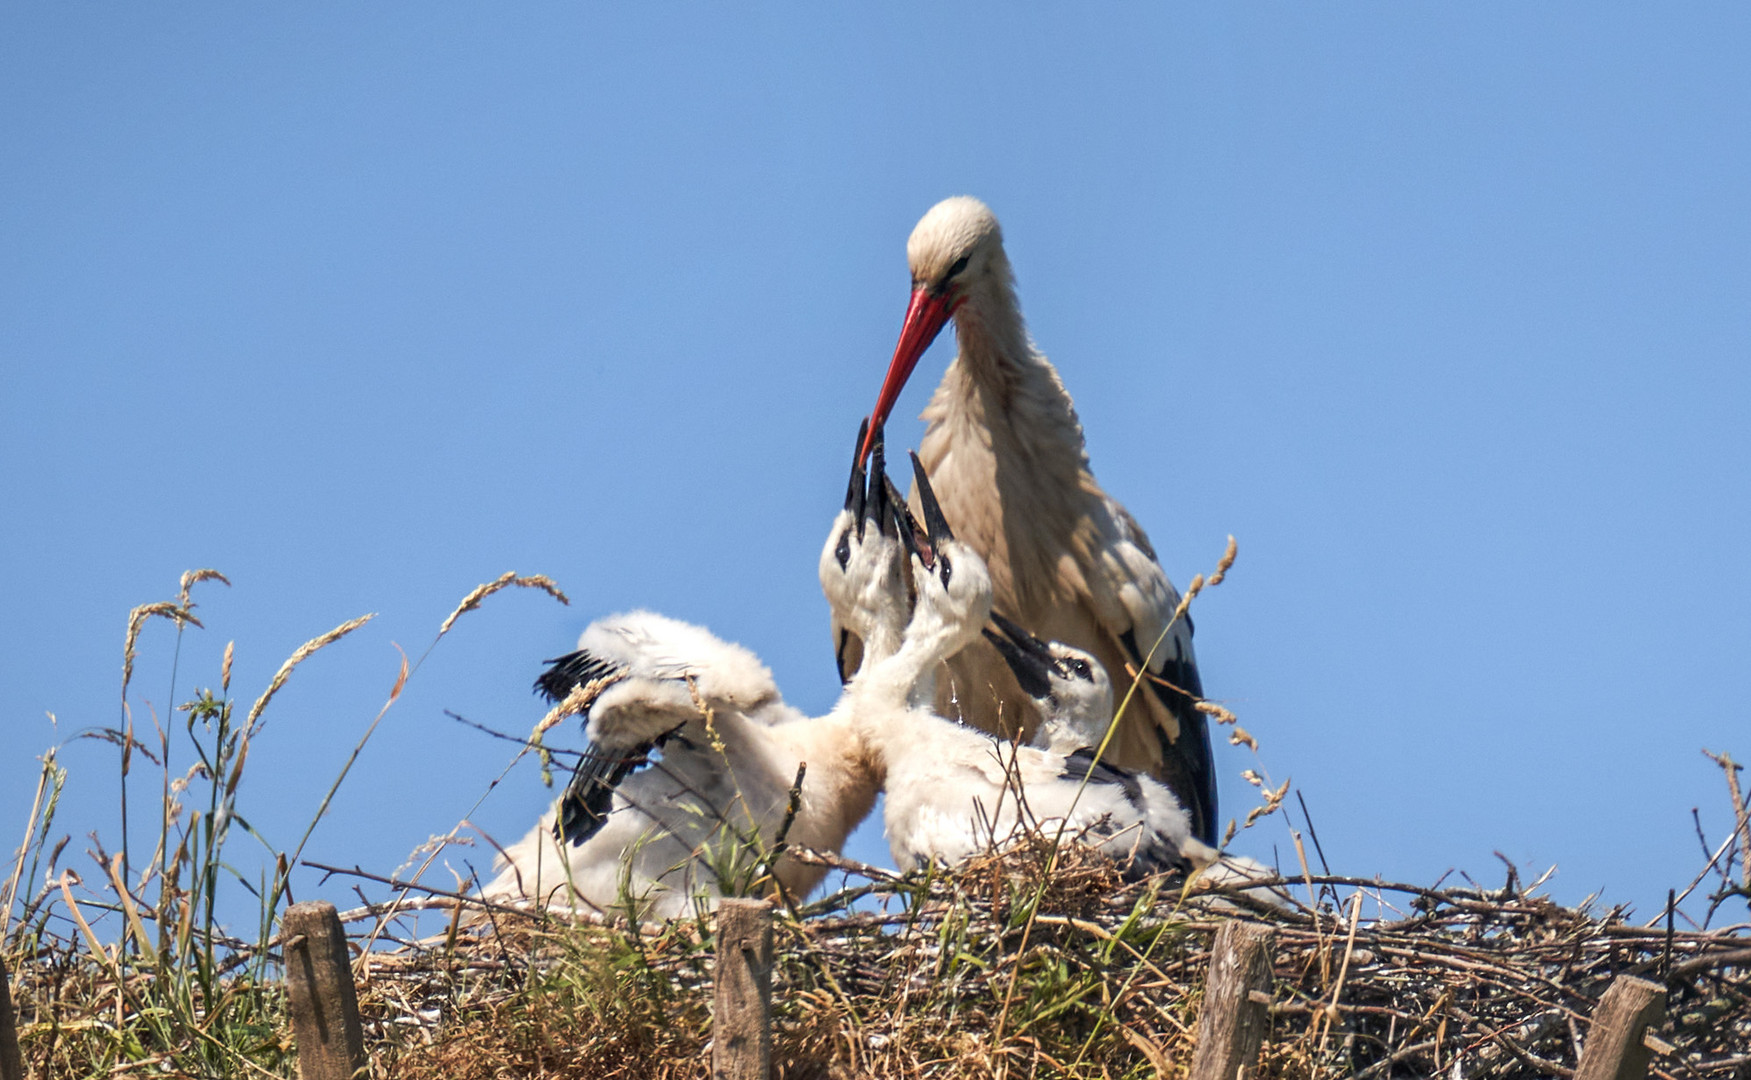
(990, 330)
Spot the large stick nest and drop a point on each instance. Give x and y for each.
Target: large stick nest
(982, 972)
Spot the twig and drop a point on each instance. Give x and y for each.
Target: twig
(519, 740)
(1741, 811)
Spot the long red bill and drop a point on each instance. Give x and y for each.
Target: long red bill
(925, 317)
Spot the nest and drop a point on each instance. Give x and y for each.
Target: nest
(1034, 964)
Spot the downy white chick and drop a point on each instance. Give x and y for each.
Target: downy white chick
(684, 788)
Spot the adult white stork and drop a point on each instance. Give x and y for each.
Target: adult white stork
(1005, 453)
(684, 789)
(953, 791)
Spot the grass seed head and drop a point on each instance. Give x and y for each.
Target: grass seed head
(302, 654)
(506, 580)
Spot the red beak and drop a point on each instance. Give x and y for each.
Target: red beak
(925, 317)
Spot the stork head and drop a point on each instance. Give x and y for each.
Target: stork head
(955, 248)
(952, 582)
(847, 527)
(860, 563)
(1071, 686)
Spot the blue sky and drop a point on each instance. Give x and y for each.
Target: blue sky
(1442, 311)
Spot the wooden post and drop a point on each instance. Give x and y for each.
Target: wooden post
(1614, 1048)
(319, 989)
(741, 1018)
(11, 1062)
(1237, 991)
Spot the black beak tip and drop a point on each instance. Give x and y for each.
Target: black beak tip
(1030, 670)
(854, 489)
(918, 471)
(877, 508)
(1008, 626)
(1026, 641)
(934, 520)
(908, 530)
(897, 521)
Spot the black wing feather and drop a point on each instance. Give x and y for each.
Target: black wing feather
(570, 671)
(1081, 764)
(1189, 766)
(1155, 853)
(583, 809)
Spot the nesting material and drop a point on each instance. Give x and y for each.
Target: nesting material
(1001, 968)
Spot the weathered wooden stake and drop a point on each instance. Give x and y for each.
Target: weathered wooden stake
(1236, 995)
(741, 1019)
(1614, 1048)
(319, 988)
(11, 1062)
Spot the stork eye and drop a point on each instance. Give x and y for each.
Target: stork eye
(1080, 669)
(842, 552)
(954, 268)
(947, 569)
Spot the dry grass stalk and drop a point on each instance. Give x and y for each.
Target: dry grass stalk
(164, 609)
(113, 867)
(1226, 563)
(507, 580)
(1215, 712)
(191, 578)
(1193, 588)
(1273, 796)
(580, 699)
(32, 822)
(1331, 1015)
(1240, 736)
(302, 654)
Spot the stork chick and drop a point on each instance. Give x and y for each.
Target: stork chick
(684, 788)
(1075, 700)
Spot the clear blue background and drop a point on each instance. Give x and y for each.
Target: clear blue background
(1442, 310)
